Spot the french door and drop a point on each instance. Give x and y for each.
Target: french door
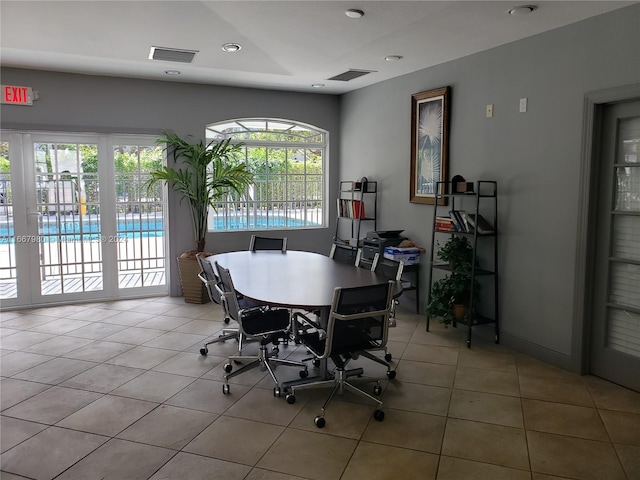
(76, 220)
(615, 346)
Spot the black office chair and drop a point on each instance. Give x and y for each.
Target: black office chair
(342, 255)
(393, 271)
(267, 325)
(358, 323)
(267, 243)
(210, 279)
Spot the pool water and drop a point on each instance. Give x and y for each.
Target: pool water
(89, 230)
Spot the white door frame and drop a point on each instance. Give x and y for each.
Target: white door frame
(25, 218)
(581, 338)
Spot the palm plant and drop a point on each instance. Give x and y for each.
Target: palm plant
(207, 174)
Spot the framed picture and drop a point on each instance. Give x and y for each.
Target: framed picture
(429, 144)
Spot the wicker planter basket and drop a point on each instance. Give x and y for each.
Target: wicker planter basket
(193, 290)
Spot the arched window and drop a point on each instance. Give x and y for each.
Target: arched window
(288, 160)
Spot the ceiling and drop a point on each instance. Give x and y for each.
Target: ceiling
(286, 45)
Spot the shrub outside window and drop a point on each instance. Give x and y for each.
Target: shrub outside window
(288, 161)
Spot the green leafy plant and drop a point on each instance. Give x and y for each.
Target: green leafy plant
(205, 175)
(458, 252)
(454, 289)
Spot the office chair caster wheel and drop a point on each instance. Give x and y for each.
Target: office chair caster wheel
(204, 351)
(275, 350)
(391, 374)
(316, 362)
(377, 390)
(320, 422)
(277, 392)
(228, 367)
(378, 415)
(291, 399)
(388, 357)
(227, 320)
(304, 374)
(225, 389)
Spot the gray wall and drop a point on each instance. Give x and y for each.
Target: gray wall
(534, 156)
(80, 103)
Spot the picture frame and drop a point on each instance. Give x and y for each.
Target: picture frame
(429, 145)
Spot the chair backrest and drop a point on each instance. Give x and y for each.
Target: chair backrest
(228, 293)
(359, 318)
(208, 276)
(267, 243)
(253, 321)
(341, 255)
(391, 269)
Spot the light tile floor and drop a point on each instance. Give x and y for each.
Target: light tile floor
(119, 391)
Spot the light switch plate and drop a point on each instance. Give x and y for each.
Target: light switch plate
(523, 105)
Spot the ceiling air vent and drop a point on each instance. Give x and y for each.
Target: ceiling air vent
(350, 75)
(172, 54)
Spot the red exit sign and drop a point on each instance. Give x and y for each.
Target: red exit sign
(15, 95)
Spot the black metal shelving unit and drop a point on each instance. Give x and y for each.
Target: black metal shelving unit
(356, 215)
(484, 201)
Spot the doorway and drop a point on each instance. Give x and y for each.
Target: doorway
(615, 307)
(76, 220)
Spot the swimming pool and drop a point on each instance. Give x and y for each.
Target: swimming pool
(89, 230)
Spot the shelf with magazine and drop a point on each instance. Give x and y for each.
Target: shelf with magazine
(463, 259)
(356, 214)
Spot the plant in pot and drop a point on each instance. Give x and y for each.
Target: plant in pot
(450, 295)
(204, 173)
(458, 252)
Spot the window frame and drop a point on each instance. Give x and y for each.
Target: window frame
(250, 213)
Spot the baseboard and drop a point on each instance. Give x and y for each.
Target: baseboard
(538, 352)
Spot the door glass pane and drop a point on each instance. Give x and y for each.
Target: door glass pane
(623, 312)
(140, 217)
(69, 237)
(8, 273)
(628, 188)
(623, 332)
(625, 241)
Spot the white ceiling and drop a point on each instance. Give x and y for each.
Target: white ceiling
(286, 45)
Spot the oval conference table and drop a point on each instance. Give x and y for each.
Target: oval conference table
(293, 279)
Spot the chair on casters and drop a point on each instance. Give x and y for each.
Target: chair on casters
(267, 243)
(267, 325)
(208, 276)
(358, 323)
(341, 255)
(393, 271)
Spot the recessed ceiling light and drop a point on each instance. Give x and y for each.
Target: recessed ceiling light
(523, 10)
(393, 58)
(353, 13)
(317, 85)
(172, 72)
(231, 47)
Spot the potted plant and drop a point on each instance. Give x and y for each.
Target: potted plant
(458, 252)
(451, 295)
(203, 175)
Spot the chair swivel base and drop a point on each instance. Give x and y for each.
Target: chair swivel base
(266, 361)
(340, 384)
(227, 334)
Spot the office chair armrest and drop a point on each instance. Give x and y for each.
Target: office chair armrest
(205, 280)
